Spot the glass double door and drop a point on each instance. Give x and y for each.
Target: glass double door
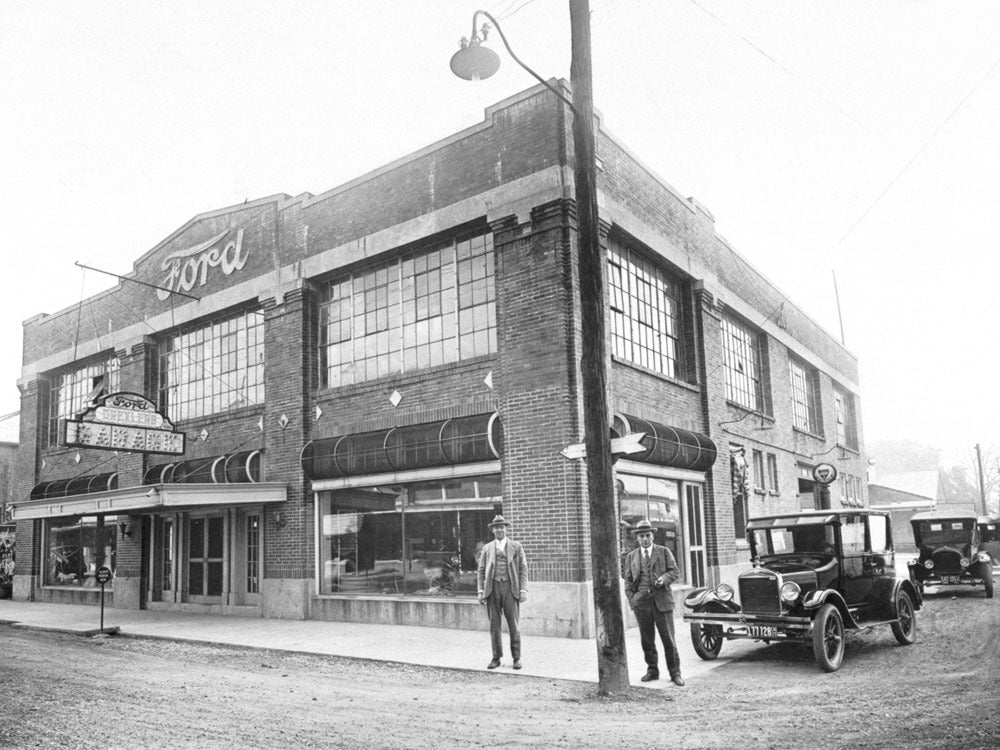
(207, 558)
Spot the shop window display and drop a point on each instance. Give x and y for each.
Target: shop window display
(76, 547)
(421, 539)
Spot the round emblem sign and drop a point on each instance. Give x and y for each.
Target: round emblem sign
(103, 575)
(825, 473)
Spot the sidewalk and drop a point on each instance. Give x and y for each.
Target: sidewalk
(558, 658)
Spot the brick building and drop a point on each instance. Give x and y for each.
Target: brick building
(357, 381)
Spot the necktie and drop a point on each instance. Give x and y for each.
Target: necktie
(645, 567)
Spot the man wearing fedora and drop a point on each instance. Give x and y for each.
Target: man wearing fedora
(649, 571)
(502, 576)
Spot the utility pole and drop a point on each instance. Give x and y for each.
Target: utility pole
(982, 485)
(612, 663)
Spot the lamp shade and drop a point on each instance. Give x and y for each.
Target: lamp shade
(475, 62)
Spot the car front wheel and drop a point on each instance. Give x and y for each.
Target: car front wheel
(988, 579)
(905, 626)
(707, 640)
(828, 638)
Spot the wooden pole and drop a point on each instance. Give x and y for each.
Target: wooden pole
(612, 663)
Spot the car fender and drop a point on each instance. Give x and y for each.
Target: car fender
(907, 585)
(706, 600)
(816, 598)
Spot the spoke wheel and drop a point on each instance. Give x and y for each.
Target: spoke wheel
(905, 627)
(828, 638)
(988, 579)
(707, 640)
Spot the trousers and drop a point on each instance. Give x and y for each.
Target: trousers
(650, 620)
(501, 601)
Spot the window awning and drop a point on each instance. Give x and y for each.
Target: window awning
(451, 442)
(74, 486)
(151, 498)
(229, 468)
(667, 446)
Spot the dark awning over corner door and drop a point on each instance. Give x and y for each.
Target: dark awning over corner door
(232, 468)
(668, 446)
(74, 486)
(462, 440)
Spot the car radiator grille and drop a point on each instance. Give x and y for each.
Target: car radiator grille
(946, 562)
(759, 596)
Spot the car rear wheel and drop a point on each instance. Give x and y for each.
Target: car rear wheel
(707, 640)
(828, 638)
(905, 626)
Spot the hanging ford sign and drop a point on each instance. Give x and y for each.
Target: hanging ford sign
(122, 422)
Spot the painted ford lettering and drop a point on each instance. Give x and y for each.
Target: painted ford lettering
(187, 268)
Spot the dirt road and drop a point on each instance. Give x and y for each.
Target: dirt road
(63, 691)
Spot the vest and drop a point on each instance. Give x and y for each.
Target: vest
(500, 572)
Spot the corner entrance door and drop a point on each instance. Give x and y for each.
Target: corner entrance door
(206, 557)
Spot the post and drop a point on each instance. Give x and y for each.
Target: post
(612, 663)
(982, 486)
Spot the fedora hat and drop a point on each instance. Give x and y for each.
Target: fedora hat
(643, 525)
(498, 521)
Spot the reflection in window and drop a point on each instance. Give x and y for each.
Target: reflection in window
(420, 538)
(76, 547)
(645, 312)
(659, 501)
(72, 391)
(213, 368)
(427, 308)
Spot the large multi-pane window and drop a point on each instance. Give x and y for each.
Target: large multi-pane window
(847, 430)
(427, 308)
(213, 368)
(741, 360)
(73, 390)
(645, 312)
(805, 398)
(420, 538)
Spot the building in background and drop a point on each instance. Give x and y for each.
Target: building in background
(9, 434)
(331, 395)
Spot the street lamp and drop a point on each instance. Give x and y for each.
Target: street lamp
(473, 61)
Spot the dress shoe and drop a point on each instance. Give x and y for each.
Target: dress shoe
(650, 676)
(677, 680)
(493, 664)
(517, 663)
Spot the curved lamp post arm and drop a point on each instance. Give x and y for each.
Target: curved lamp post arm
(474, 42)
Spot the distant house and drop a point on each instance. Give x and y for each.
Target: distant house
(10, 426)
(907, 493)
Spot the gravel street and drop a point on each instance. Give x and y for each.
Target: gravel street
(66, 691)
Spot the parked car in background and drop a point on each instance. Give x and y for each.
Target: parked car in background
(989, 538)
(815, 575)
(949, 551)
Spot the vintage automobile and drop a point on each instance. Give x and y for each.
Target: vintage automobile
(815, 575)
(950, 551)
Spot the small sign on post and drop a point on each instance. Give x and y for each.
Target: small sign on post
(103, 576)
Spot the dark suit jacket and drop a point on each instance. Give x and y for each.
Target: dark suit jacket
(661, 562)
(517, 568)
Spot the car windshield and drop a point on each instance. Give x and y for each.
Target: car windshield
(795, 540)
(944, 532)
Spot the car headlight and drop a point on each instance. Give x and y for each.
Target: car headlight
(724, 591)
(964, 562)
(790, 592)
(929, 564)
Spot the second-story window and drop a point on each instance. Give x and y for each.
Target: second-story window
(213, 367)
(805, 398)
(847, 430)
(741, 358)
(73, 389)
(645, 312)
(427, 308)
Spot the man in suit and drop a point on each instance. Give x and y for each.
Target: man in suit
(649, 571)
(502, 576)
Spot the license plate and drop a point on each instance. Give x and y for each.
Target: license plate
(762, 631)
(949, 579)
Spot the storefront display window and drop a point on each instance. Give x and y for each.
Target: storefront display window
(659, 501)
(421, 538)
(76, 547)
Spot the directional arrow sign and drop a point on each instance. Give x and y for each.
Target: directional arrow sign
(631, 443)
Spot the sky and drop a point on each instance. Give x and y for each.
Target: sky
(847, 147)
